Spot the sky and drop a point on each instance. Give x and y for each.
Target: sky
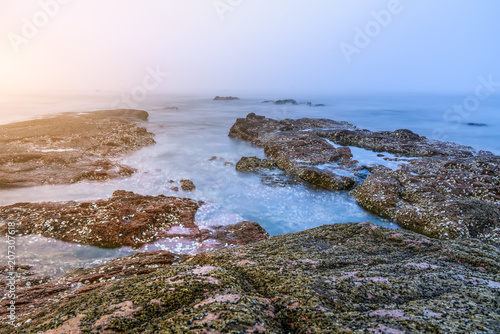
(234, 47)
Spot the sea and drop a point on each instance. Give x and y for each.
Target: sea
(193, 143)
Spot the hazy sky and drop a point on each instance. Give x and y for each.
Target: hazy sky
(249, 46)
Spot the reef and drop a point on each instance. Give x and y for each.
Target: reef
(345, 278)
(440, 189)
(125, 219)
(71, 147)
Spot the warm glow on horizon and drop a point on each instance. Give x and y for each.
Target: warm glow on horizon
(210, 46)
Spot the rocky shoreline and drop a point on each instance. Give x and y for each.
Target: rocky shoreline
(70, 147)
(333, 279)
(443, 276)
(444, 190)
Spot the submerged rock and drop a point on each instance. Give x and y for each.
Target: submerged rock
(442, 198)
(125, 219)
(339, 278)
(70, 147)
(187, 185)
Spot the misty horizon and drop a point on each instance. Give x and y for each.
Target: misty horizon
(248, 48)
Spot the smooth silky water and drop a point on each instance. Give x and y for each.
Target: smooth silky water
(193, 143)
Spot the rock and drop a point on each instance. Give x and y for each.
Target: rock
(442, 198)
(70, 147)
(225, 98)
(477, 124)
(256, 129)
(187, 185)
(171, 108)
(319, 105)
(337, 278)
(296, 151)
(287, 101)
(324, 179)
(125, 219)
(266, 168)
(255, 165)
(449, 191)
(403, 142)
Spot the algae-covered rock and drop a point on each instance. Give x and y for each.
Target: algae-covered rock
(332, 279)
(442, 198)
(254, 164)
(125, 219)
(70, 147)
(445, 191)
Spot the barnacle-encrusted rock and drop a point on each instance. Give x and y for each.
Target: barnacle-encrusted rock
(296, 151)
(333, 279)
(257, 129)
(442, 198)
(187, 185)
(254, 164)
(125, 219)
(297, 145)
(70, 147)
(448, 191)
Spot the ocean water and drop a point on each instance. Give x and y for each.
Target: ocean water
(193, 143)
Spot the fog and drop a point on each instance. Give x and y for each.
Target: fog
(238, 47)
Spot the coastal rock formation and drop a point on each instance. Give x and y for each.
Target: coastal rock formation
(70, 147)
(441, 198)
(187, 185)
(225, 98)
(446, 191)
(339, 278)
(125, 219)
(255, 165)
(259, 130)
(299, 152)
(290, 101)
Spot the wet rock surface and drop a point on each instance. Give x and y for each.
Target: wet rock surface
(70, 147)
(259, 130)
(187, 185)
(332, 279)
(446, 191)
(255, 165)
(297, 152)
(125, 219)
(441, 198)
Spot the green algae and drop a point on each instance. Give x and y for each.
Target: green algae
(332, 279)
